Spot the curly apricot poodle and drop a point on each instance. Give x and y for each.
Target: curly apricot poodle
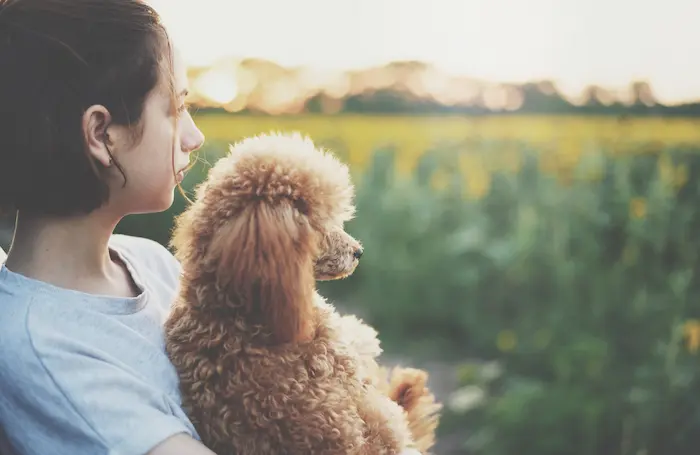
(266, 365)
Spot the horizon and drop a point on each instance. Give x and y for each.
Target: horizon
(571, 44)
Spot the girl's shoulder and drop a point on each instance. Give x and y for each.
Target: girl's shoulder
(83, 364)
(148, 257)
(144, 250)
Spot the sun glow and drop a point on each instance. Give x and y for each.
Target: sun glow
(217, 86)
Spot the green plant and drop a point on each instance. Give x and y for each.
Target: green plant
(582, 287)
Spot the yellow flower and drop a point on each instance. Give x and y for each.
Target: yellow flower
(506, 341)
(691, 330)
(477, 176)
(680, 176)
(548, 162)
(638, 208)
(440, 180)
(569, 153)
(511, 159)
(478, 184)
(594, 174)
(666, 169)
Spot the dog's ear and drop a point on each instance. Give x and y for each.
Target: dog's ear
(266, 254)
(183, 240)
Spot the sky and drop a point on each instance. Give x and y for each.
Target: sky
(573, 42)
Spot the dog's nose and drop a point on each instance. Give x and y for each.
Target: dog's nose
(358, 253)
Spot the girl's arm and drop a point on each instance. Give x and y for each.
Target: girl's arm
(180, 444)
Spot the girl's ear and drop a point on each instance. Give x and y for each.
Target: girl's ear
(96, 119)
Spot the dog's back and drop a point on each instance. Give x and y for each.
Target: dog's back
(294, 399)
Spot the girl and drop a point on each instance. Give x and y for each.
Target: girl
(92, 128)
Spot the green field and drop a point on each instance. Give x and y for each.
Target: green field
(556, 260)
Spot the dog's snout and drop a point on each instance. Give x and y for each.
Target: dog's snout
(357, 254)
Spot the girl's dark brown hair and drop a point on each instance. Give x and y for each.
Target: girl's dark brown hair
(57, 58)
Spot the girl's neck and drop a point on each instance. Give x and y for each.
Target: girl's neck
(69, 252)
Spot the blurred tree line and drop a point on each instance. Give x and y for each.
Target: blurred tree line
(418, 88)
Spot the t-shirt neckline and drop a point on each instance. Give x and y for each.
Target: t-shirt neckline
(102, 303)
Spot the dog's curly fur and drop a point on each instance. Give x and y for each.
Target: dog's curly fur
(266, 365)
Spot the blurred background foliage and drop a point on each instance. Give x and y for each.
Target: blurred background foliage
(544, 267)
(559, 284)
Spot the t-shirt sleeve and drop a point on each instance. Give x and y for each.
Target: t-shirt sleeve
(159, 262)
(73, 393)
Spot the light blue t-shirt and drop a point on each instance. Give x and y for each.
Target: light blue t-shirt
(82, 374)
